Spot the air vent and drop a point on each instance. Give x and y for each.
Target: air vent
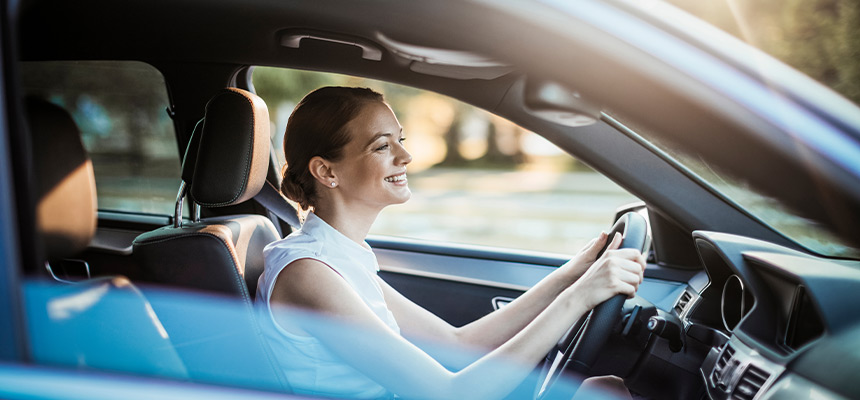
(683, 301)
(723, 369)
(751, 382)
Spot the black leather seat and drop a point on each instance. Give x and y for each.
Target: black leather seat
(222, 254)
(65, 184)
(225, 164)
(103, 323)
(110, 324)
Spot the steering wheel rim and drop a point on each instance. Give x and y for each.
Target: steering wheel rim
(589, 341)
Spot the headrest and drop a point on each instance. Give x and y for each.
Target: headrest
(65, 184)
(233, 156)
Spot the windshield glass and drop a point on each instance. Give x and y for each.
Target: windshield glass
(768, 210)
(816, 37)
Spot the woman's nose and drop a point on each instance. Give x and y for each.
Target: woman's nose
(403, 157)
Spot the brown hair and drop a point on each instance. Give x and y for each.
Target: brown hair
(317, 128)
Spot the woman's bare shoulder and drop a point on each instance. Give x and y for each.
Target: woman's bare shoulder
(308, 283)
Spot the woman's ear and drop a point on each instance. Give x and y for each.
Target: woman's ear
(321, 170)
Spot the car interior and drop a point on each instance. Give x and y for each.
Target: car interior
(730, 307)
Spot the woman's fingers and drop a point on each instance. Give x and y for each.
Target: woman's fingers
(618, 271)
(627, 254)
(631, 266)
(627, 285)
(613, 276)
(616, 242)
(613, 245)
(594, 246)
(628, 272)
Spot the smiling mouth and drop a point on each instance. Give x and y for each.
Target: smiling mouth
(396, 178)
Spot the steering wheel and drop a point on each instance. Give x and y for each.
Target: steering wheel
(580, 347)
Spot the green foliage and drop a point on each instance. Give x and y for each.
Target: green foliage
(280, 85)
(277, 85)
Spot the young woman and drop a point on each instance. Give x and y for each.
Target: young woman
(346, 161)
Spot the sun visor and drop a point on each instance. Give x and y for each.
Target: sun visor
(454, 64)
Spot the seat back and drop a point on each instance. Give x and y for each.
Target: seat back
(225, 164)
(223, 254)
(65, 183)
(104, 323)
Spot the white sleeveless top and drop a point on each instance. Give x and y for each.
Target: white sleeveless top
(308, 365)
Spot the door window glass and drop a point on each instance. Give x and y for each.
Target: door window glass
(475, 178)
(119, 106)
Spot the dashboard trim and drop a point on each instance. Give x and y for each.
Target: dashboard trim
(743, 358)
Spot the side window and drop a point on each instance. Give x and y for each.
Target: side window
(119, 107)
(475, 178)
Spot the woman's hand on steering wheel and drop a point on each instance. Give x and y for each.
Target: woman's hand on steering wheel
(616, 271)
(580, 263)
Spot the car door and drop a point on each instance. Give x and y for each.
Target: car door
(461, 283)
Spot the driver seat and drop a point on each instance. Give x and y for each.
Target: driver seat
(225, 164)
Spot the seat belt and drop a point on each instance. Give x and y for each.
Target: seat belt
(277, 204)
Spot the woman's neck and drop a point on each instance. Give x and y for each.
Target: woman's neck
(353, 225)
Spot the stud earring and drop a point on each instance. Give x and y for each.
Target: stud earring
(333, 184)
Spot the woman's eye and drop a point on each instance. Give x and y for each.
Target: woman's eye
(401, 140)
(381, 148)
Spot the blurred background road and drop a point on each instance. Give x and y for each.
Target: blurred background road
(537, 210)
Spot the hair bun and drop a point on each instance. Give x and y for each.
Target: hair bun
(293, 189)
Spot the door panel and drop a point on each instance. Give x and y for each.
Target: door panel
(456, 282)
(457, 303)
(459, 283)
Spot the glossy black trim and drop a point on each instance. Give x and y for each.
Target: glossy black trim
(466, 251)
(669, 274)
(475, 271)
(119, 219)
(507, 255)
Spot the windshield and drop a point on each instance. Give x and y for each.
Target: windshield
(769, 210)
(816, 37)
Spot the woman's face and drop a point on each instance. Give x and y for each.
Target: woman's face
(372, 172)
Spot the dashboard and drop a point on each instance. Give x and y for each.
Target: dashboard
(776, 323)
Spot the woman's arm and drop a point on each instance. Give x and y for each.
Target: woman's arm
(499, 326)
(400, 366)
